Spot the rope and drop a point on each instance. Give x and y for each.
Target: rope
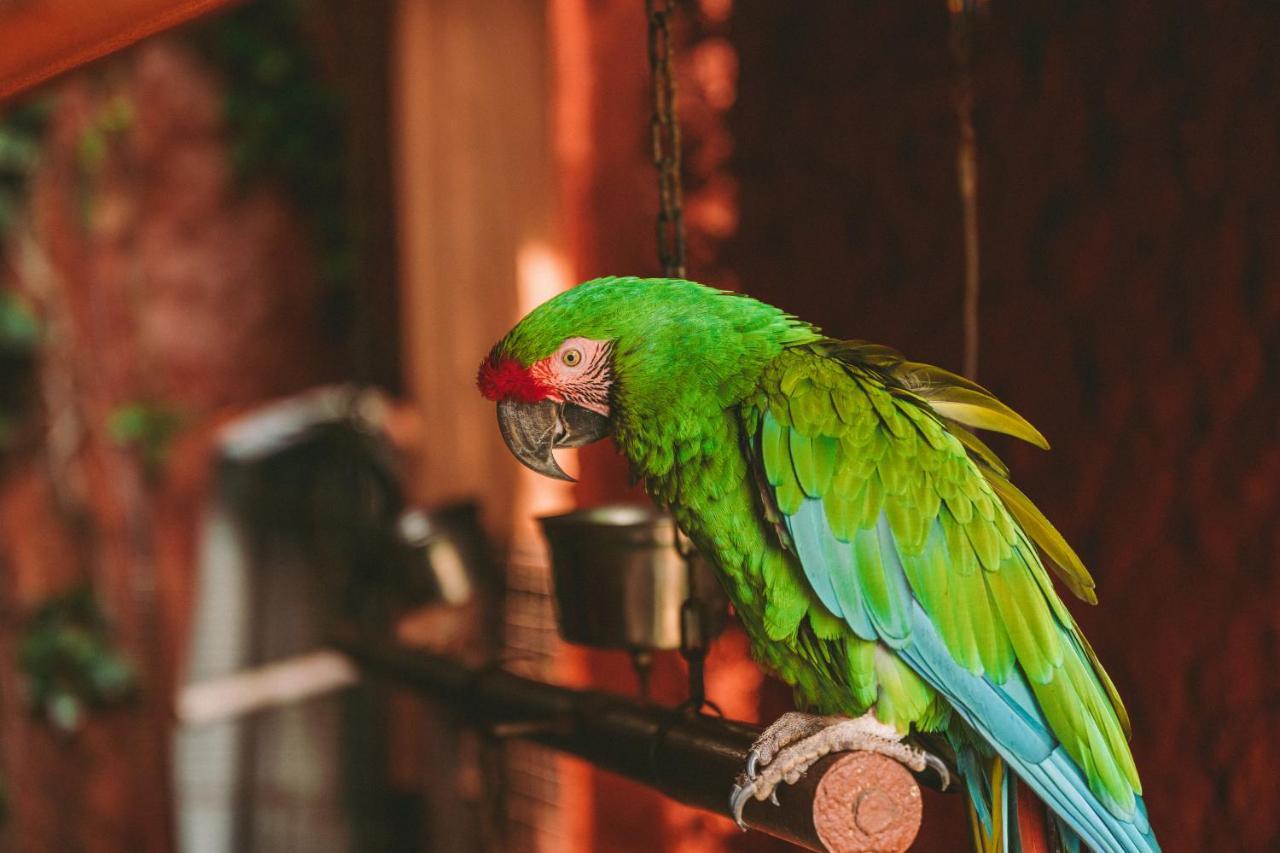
(961, 12)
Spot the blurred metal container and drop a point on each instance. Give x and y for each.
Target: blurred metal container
(447, 553)
(620, 582)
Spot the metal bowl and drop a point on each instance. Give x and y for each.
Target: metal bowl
(619, 581)
(446, 553)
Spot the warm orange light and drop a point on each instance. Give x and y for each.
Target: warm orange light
(541, 273)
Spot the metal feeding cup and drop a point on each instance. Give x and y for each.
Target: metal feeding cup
(446, 553)
(620, 582)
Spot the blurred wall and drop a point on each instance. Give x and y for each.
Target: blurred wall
(1130, 210)
(174, 291)
(478, 238)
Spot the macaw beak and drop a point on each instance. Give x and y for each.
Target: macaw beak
(534, 430)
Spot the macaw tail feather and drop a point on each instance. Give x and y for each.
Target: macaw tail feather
(1007, 817)
(1032, 821)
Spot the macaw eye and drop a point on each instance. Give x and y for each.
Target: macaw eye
(571, 358)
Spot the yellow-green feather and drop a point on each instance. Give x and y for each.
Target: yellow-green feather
(873, 450)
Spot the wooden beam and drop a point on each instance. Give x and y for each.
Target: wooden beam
(249, 691)
(40, 39)
(846, 803)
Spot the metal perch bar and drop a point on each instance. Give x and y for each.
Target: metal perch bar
(847, 803)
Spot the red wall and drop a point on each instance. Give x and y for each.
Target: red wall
(160, 282)
(1129, 224)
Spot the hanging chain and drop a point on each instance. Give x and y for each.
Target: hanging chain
(664, 129)
(694, 622)
(962, 13)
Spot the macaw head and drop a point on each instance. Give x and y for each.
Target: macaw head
(615, 353)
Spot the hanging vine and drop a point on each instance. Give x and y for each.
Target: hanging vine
(70, 662)
(21, 131)
(284, 119)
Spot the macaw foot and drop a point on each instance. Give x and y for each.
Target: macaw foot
(795, 742)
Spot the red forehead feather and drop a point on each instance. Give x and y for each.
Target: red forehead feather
(507, 379)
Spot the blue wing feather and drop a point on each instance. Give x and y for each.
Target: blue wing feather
(860, 578)
(824, 565)
(1025, 743)
(1006, 715)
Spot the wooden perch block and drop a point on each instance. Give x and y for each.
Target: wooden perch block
(867, 802)
(846, 803)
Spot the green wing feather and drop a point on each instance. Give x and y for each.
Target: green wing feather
(875, 438)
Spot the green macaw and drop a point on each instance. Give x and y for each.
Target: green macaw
(874, 549)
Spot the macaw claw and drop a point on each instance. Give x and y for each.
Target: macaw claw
(795, 742)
